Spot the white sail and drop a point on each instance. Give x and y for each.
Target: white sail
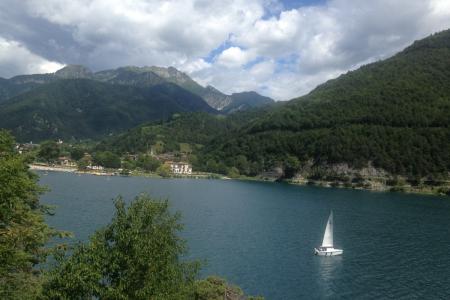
(328, 236)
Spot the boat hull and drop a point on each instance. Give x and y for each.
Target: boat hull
(328, 252)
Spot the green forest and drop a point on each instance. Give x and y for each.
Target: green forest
(82, 108)
(393, 114)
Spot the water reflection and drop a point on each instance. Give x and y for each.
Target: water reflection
(328, 271)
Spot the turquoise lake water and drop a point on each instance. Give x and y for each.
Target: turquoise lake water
(261, 236)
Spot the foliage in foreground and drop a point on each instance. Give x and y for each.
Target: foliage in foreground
(23, 231)
(136, 256)
(216, 288)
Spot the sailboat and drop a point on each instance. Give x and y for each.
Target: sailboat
(327, 248)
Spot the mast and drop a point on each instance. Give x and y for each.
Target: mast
(328, 236)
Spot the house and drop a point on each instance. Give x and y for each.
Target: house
(66, 161)
(131, 157)
(167, 157)
(95, 168)
(27, 147)
(181, 168)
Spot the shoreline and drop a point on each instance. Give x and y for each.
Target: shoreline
(404, 189)
(407, 189)
(50, 168)
(199, 175)
(67, 170)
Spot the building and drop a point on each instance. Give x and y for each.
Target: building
(95, 168)
(181, 168)
(27, 147)
(131, 157)
(66, 161)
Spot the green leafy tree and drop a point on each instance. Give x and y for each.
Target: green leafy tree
(233, 172)
(158, 147)
(129, 164)
(163, 170)
(23, 232)
(193, 159)
(76, 153)
(185, 148)
(136, 256)
(148, 163)
(107, 159)
(242, 164)
(212, 166)
(83, 164)
(291, 166)
(216, 288)
(49, 151)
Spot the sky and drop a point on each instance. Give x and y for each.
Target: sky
(282, 49)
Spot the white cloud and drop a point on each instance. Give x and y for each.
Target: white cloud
(281, 53)
(263, 70)
(153, 32)
(194, 66)
(341, 35)
(17, 59)
(274, 36)
(234, 57)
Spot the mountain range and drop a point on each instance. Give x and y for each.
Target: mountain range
(135, 76)
(75, 102)
(388, 117)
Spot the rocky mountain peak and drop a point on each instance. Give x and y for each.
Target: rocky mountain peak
(73, 71)
(210, 88)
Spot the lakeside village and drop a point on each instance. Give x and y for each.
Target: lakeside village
(156, 162)
(58, 156)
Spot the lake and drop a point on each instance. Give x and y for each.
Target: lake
(261, 236)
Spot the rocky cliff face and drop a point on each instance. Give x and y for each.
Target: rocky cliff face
(172, 75)
(216, 98)
(246, 100)
(147, 76)
(342, 174)
(142, 77)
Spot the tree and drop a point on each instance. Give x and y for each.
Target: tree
(148, 163)
(107, 159)
(23, 232)
(49, 151)
(233, 172)
(76, 153)
(185, 148)
(212, 166)
(216, 288)
(163, 170)
(83, 164)
(242, 164)
(291, 166)
(129, 164)
(137, 256)
(158, 147)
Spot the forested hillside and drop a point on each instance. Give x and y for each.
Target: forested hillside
(394, 114)
(195, 129)
(22, 87)
(82, 108)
